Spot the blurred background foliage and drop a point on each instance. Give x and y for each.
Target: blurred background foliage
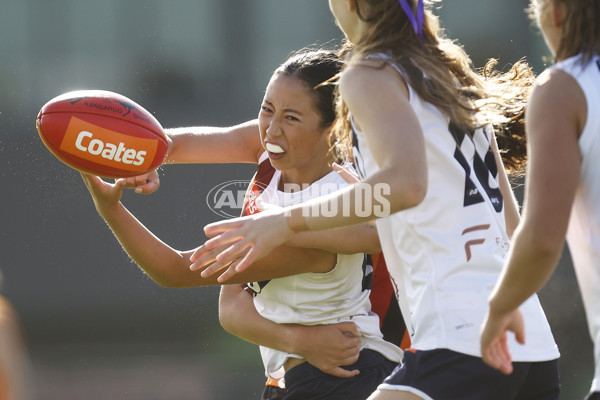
(95, 325)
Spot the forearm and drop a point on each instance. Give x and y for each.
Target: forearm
(239, 317)
(326, 347)
(165, 265)
(171, 268)
(530, 265)
(379, 195)
(361, 238)
(511, 206)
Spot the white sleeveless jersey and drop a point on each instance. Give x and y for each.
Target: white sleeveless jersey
(445, 255)
(341, 294)
(583, 235)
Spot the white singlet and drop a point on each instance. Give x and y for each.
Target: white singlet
(583, 235)
(445, 255)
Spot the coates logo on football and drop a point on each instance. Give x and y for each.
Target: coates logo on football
(227, 199)
(106, 147)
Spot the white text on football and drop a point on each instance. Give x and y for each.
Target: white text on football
(109, 151)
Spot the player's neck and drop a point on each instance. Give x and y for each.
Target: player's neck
(295, 178)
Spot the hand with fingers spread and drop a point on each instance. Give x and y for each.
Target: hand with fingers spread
(205, 260)
(494, 345)
(245, 241)
(144, 184)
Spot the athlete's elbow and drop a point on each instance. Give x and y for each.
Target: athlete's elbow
(410, 194)
(225, 323)
(417, 193)
(546, 246)
(372, 245)
(226, 319)
(540, 241)
(173, 281)
(167, 282)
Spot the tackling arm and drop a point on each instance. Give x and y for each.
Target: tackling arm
(324, 346)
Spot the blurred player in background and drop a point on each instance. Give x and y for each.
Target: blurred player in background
(562, 196)
(15, 366)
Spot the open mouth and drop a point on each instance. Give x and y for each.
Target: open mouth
(273, 148)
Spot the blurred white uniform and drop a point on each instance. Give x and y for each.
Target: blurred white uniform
(583, 235)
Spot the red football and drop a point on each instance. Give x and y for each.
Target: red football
(102, 133)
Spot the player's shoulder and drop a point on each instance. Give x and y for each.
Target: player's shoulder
(353, 77)
(553, 78)
(555, 88)
(370, 76)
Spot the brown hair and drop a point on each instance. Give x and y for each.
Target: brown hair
(440, 71)
(315, 67)
(581, 30)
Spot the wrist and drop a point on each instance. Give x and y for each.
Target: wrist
(295, 220)
(294, 334)
(498, 307)
(170, 146)
(109, 212)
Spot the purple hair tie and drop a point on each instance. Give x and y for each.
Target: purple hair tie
(417, 22)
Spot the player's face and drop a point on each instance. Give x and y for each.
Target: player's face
(290, 131)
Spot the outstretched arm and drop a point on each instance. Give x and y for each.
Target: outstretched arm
(170, 267)
(555, 117)
(326, 347)
(204, 145)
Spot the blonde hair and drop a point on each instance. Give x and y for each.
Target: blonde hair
(441, 73)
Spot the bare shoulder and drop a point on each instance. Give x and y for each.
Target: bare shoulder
(370, 76)
(556, 82)
(556, 94)
(353, 77)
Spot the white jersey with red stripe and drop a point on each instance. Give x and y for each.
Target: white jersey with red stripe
(445, 255)
(583, 235)
(341, 294)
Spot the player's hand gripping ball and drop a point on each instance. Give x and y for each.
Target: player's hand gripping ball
(102, 133)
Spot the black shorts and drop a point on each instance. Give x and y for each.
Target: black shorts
(273, 393)
(448, 375)
(593, 396)
(307, 382)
